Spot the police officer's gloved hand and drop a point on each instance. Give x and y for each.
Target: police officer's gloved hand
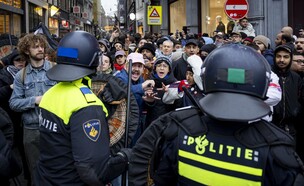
(113, 91)
(106, 96)
(125, 152)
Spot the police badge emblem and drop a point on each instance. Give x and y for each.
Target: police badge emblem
(92, 129)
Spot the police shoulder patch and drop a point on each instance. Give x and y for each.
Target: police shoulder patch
(92, 129)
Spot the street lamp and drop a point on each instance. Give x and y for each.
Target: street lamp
(132, 16)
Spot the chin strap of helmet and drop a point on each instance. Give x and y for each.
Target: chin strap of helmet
(192, 99)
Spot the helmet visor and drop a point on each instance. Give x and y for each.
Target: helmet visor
(228, 106)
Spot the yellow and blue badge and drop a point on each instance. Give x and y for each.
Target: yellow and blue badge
(92, 129)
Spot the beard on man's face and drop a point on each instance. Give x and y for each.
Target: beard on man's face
(37, 57)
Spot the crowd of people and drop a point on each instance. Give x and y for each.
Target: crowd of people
(49, 112)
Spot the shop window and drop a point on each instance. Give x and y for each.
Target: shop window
(36, 15)
(212, 13)
(4, 23)
(14, 3)
(7, 2)
(177, 15)
(17, 3)
(53, 26)
(16, 28)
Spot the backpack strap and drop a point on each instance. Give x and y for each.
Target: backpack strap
(23, 74)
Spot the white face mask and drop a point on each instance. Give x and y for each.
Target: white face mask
(179, 50)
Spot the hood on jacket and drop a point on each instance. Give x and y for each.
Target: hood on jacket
(286, 48)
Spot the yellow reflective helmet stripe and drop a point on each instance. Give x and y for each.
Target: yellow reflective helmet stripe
(211, 178)
(221, 164)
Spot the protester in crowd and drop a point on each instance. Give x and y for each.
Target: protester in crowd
(287, 111)
(193, 88)
(159, 45)
(117, 45)
(119, 61)
(206, 50)
(248, 40)
(167, 49)
(244, 26)
(289, 31)
(7, 76)
(183, 37)
(161, 75)
(9, 166)
(298, 64)
(299, 45)
(126, 40)
(29, 86)
(301, 32)
(219, 39)
(278, 39)
(103, 45)
(298, 67)
(106, 65)
(180, 66)
(148, 52)
(230, 26)
(141, 43)
(274, 92)
(193, 83)
(207, 40)
(114, 35)
(236, 37)
(177, 46)
(263, 43)
(138, 86)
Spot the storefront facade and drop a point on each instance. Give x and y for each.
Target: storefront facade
(11, 17)
(201, 16)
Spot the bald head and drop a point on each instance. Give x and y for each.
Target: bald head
(287, 30)
(278, 40)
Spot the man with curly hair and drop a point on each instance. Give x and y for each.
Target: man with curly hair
(29, 86)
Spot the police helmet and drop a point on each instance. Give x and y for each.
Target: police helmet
(235, 79)
(78, 55)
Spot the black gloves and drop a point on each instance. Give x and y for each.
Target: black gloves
(115, 90)
(125, 152)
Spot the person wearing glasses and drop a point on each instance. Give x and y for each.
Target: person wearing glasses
(163, 76)
(298, 67)
(298, 64)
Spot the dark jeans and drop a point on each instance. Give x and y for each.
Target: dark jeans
(31, 148)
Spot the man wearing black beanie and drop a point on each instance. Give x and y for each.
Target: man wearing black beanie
(148, 52)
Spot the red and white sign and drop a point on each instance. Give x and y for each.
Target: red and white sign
(236, 9)
(76, 9)
(154, 13)
(85, 15)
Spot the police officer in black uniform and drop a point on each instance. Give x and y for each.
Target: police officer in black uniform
(227, 142)
(74, 143)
